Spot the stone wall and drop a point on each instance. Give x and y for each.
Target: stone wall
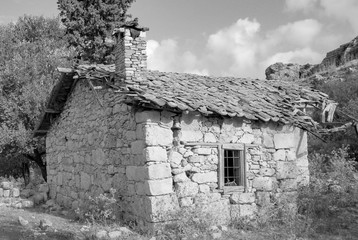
(151, 158)
(12, 195)
(93, 148)
(276, 164)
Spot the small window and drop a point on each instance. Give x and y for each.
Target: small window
(232, 174)
(232, 168)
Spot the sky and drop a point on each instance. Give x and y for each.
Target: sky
(238, 38)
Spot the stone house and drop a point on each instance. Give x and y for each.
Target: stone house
(169, 141)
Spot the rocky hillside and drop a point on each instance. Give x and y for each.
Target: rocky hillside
(337, 76)
(339, 61)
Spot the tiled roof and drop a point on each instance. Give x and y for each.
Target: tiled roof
(254, 99)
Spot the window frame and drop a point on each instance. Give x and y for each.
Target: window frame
(235, 147)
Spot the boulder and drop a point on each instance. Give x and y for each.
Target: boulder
(45, 224)
(102, 234)
(22, 221)
(284, 72)
(289, 72)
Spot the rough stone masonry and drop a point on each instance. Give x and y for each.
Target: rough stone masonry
(161, 162)
(92, 149)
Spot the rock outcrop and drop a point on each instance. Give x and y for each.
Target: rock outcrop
(288, 72)
(341, 57)
(281, 71)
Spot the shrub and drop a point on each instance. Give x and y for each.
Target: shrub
(190, 223)
(332, 190)
(102, 209)
(275, 220)
(323, 207)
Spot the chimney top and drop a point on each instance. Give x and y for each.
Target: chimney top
(133, 26)
(130, 52)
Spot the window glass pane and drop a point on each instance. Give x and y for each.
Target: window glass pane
(232, 171)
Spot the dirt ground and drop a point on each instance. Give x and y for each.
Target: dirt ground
(343, 225)
(62, 227)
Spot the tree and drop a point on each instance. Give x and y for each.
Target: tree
(30, 52)
(89, 23)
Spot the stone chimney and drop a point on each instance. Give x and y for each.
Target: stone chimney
(130, 52)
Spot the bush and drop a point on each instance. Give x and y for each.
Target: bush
(190, 223)
(323, 207)
(332, 190)
(332, 183)
(102, 209)
(276, 220)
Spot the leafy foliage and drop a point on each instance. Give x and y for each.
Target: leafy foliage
(30, 51)
(90, 23)
(332, 193)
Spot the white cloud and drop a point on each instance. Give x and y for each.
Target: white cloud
(299, 33)
(243, 50)
(344, 10)
(305, 5)
(166, 56)
(233, 50)
(300, 56)
(162, 56)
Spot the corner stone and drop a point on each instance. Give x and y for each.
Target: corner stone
(158, 171)
(158, 187)
(161, 208)
(156, 135)
(155, 154)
